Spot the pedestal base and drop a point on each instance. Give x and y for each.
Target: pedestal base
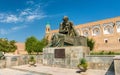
(67, 57)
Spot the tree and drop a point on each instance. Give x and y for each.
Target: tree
(34, 45)
(3, 45)
(44, 41)
(30, 44)
(40, 45)
(12, 47)
(7, 46)
(90, 43)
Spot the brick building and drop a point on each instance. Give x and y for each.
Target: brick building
(106, 33)
(20, 48)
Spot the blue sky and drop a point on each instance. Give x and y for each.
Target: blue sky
(20, 19)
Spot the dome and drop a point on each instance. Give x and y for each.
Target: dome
(48, 25)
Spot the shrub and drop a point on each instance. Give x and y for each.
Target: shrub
(90, 43)
(82, 61)
(32, 59)
(104, 53)
(83, 64)
(101, 53)
(110, 53)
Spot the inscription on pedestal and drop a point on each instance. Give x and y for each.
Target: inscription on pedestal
(59, 53)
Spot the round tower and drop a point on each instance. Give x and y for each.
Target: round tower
(47, 28)
(47, 31)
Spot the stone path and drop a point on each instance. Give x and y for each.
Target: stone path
(48, 70)
(58, 71)
(41, 70)
(8, 71)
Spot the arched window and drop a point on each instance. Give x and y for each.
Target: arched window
(48, 29)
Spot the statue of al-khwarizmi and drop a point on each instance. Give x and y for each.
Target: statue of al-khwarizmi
(67, 36)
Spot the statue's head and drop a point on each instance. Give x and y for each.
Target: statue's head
(65, 18)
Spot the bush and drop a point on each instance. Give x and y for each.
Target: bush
(101, 53)
(90, 43)
(32, 59)
(83, 64)
(104, 53)
(82, 61)
(110, 53)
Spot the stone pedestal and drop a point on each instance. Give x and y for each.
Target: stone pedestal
(117, 65)
(67, 57)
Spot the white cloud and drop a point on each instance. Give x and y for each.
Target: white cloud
(31, 17)
(10, 18)
(30, 2)
(13, 29)
(22, 16)
(18, 27)
(25, 15)
(25, 12)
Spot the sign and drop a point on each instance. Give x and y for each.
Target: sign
(59, 53)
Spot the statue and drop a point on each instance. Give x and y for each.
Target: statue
(67, 36)
(66, 27)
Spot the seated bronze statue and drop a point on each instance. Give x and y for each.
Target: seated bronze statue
(67, 36)
(66, 28)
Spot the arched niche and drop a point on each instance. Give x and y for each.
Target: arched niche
(85, 32)
(108, 28)
(95, 30)
(118, 26)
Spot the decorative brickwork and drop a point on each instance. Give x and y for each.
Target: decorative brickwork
(20, 48)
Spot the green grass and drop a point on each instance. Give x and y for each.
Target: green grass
(104, 53)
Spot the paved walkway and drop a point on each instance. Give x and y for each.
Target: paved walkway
(43, 70)
(58, 71)
(8, 71)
